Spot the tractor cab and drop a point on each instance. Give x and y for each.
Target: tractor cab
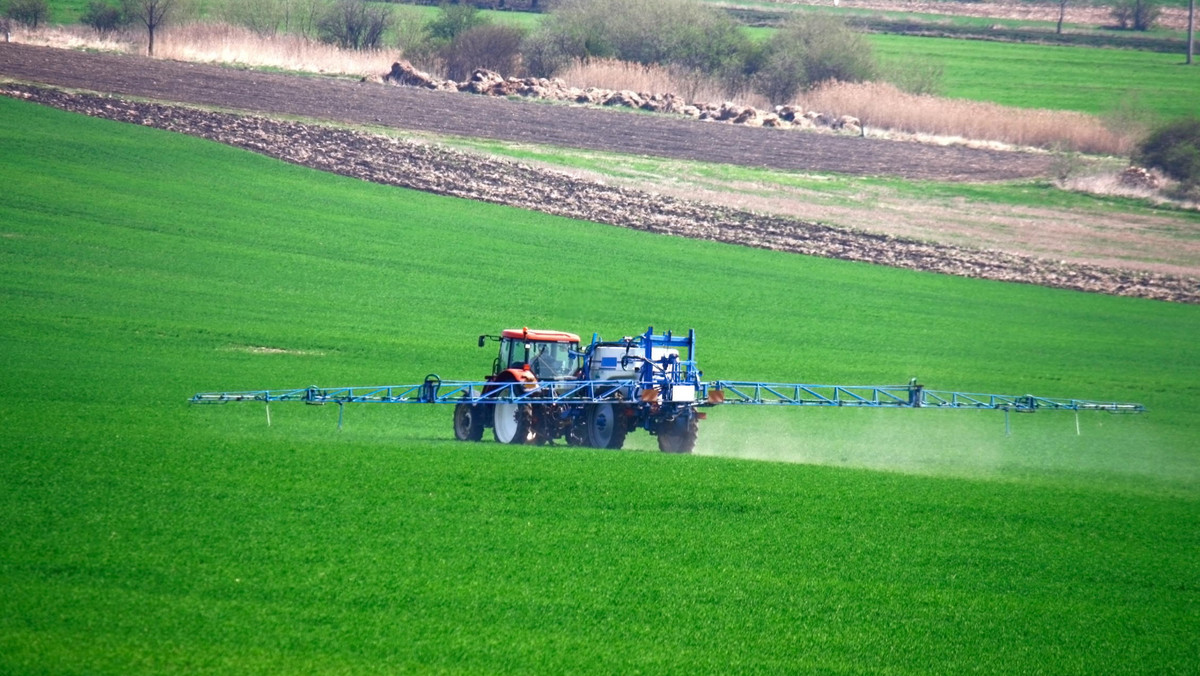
(548, 355)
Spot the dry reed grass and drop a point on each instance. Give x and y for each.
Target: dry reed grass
(882, 105)
(1108, 184)
(223, 43)
(74, 37)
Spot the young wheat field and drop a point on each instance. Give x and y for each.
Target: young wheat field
(142, 535)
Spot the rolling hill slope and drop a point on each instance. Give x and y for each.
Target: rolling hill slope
(143, 536)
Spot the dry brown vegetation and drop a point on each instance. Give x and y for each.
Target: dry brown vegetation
(883, 105)
(223, 43)
(211, 42)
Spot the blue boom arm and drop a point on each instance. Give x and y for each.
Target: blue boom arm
(436, 391)
(897, 396)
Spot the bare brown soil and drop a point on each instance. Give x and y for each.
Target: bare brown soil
(503, 119)
(387, 160)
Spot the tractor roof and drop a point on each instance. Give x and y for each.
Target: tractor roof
(536, 334)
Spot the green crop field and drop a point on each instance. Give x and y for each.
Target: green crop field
(142, 535)
(1086, 79)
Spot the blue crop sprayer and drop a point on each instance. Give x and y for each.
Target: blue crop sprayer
(544, 386)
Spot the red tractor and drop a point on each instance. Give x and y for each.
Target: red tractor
(545, 388)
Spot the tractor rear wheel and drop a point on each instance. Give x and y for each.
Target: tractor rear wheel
(468, 422)
(679, 435)
(513, 424)
(605, 427)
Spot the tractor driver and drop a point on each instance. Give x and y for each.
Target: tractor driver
(546, 363)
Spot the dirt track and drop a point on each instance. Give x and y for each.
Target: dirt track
(496, 118)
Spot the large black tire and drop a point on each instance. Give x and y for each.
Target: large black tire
(468, 422)
(605, 426)
(513, 424)
(679, 435)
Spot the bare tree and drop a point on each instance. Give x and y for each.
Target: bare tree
(152, 14)
(1191, 30)
(354, 24)
(302, 15)
(102, 17)
(264, 17)
(494, 47)
(29, 12)
(1062, 13)
(1138, 15)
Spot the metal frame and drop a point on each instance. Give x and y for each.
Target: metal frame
(898, 396)
(436, 391)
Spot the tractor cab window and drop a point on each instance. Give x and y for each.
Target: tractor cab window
(512, 354)
(553, 361)
(547, 360)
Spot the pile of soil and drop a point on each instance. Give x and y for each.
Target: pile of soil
(390, 161)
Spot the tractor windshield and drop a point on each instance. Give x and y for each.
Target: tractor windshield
(554, 361)
(547, 360)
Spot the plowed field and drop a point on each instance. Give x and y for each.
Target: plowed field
(386, 160)
(502, 119)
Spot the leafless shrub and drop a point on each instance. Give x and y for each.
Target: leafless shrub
(265, 17)
(29, 12)
(354, 24)
(1065, 163)
(492, 46)
(102, 16)
(1138, 15)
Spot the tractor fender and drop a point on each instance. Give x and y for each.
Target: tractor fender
(511, 376)
(516, 376)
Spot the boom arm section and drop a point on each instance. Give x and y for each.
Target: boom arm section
(895, 396)
(436, 391)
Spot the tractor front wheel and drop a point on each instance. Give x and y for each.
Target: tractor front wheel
(678, 435)
(513, 424)
(468, 422)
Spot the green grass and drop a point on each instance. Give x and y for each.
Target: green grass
(1069, 78)
(145, 536)
(68, 11)
(926, 23)
(1085, 79)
